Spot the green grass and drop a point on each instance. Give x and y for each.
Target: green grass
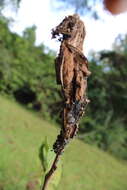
(84, 167)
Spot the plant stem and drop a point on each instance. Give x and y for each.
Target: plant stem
(51, 171)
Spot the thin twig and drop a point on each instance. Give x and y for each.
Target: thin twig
(52, 170)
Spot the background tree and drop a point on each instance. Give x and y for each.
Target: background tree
(5, 3)
(82, 6)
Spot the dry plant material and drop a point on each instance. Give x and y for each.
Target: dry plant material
(71, 73)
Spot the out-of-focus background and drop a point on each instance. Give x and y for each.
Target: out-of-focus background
(31, 101)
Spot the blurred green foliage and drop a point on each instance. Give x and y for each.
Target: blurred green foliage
(105, 123)
(27, 74)
(26, 71)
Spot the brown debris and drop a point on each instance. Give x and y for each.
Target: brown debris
(71, 73)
